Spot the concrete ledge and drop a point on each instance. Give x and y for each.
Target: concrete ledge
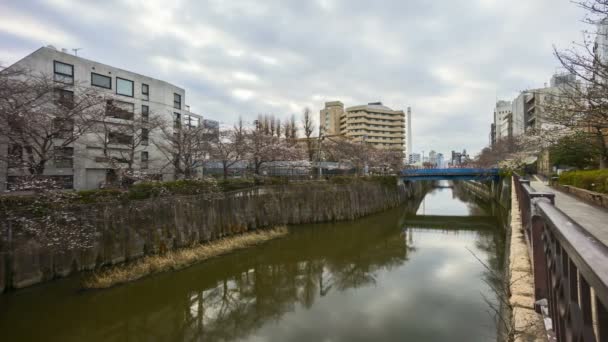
(526, 323)
(592, 197)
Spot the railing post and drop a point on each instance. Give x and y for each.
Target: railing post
(539, 260)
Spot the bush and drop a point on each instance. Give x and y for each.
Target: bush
(232, 184)
(594, 180)
(342, 180)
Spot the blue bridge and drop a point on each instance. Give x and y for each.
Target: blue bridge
(454, 174)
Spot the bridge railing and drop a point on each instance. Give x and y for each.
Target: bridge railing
(570, 267)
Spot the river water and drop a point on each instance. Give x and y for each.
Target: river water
(401, 275)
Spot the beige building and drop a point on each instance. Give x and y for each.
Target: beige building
(373, 123)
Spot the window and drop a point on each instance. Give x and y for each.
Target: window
(177, 101)
(63, 72)
(15, 155)
(119, 109)
(63, 157)
(119, 138)
(177, 120)
(144, 159)
(64, 98)
(144, 136)
(145, 91)
(124, 87)
(191, 121)
(145, 113)
(101, 81)
(63, 128)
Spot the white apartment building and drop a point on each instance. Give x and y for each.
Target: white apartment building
(373, 123)
(132, 97)
(503, 120)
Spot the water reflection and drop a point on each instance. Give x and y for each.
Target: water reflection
(371, 279)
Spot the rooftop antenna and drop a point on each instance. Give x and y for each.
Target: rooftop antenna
(76, 51)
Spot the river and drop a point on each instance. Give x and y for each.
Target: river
(401, 275)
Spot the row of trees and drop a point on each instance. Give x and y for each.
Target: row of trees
(42, 121)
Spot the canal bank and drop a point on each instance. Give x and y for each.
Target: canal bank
(126, 232)
(400, 274)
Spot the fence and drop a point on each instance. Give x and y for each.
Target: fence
(570, 267)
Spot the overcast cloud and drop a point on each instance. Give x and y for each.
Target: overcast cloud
(447, 59)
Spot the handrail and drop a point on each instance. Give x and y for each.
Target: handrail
(570, 267)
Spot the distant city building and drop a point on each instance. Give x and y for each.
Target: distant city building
(414, 158)
(433, 158)
(132, 97)
(440, 160)
(459, 158)
(601, 41)
(373, 124)
(502, 126)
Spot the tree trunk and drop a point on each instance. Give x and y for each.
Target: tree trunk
(603, 149)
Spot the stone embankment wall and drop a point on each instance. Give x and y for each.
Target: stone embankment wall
(497, 191)
(124, 232)
(527, 325)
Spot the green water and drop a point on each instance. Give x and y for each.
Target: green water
(381, 278)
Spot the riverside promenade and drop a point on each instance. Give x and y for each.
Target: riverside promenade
(594, 219)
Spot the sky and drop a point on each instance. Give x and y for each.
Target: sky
(447, 59)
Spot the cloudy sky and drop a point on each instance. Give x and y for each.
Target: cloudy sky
(447, 59)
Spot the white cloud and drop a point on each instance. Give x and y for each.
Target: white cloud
(243, 94)
(26, 27)
(447, 59)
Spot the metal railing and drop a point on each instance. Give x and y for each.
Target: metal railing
(570, 267)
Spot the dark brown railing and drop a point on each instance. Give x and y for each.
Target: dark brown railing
(570, 267)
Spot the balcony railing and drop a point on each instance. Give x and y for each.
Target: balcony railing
(570, 267)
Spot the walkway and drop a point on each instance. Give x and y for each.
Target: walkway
(592, 218)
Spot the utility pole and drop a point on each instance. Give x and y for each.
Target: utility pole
(76, 51)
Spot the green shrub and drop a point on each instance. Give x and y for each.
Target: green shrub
(384, 180)
(342, 179)
(96, 196)
(594, 180)
(232, 184)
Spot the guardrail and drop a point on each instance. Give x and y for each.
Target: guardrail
(570, 267)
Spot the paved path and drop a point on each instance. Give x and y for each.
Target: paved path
(593, 219)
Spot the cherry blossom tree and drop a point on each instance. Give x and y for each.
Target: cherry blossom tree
(40, 119)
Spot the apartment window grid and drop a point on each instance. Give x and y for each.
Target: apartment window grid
(63, 72)
(124, 87)
(145, 133)
(191, 121)
(101, 81)
(177, 101)
(119, 109)
(64, 98)
(144, 160)
(145, 92)
(177, 120)
(145, 113)
(63, 157)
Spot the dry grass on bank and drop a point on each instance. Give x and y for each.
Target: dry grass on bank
(175, 260)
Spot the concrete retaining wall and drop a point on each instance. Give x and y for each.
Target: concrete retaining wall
(124, 232)
(588, 196)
